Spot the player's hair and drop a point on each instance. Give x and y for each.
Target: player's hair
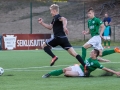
(97, 52)
(90, 9)
(54, 7)
(105, 23)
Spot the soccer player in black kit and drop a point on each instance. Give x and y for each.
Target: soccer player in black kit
(59, 26)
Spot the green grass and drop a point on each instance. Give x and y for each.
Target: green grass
(22, 77)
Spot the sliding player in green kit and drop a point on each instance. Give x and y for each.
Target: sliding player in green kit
(94, 24)
(78, 70)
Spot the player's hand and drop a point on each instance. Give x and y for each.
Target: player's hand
(40, 20)
(107, 60)
(84, 32)
(66, 31)
(102, 37)
(118, 74)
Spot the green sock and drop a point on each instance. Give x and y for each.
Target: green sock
(56, 72)
(104, 43)
(108, 43)
(83, 53)
(107, 52)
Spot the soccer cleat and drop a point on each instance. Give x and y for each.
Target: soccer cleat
(46, 75)
(53, 60)
(117, 50)
(86, 71)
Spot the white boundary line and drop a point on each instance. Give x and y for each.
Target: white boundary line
(40, 70)
(27, 69)
(35, 67)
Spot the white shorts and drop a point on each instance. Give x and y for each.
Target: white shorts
(107, 37)
(77, 69)
(95, 41)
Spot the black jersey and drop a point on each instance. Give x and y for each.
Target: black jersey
(58, 26)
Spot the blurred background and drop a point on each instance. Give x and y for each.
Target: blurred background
(21, 16)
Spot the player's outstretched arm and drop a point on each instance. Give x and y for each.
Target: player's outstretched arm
(112, 71)
(102, 60)
(40, 20)
(64, 21)
(86, 32)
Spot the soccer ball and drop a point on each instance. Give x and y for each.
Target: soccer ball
(1, 71)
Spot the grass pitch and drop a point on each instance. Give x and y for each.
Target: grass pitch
(23, 71)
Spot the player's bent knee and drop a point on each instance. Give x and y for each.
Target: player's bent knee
(43, 45)
(64, 70)
(100, 55)
(86, 46)
(66, 74)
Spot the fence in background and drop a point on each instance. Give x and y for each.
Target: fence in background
(21, 17)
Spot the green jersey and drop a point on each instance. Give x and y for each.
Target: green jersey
(94, 25)
(92, 64)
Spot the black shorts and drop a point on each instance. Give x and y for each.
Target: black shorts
(63, 42)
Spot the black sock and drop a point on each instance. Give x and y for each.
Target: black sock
(79, 58)
(48, 51)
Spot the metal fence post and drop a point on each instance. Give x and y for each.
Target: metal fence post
(114, 34)
(84, 17)
(30, 17)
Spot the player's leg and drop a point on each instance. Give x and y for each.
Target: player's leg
(74, 54)
(86, 69)
(104, 41)
(60, 71)
(91, 43)
(74, 71)
(108, 52)
(67, 46)
(57, 72)
(100, 52)
(108, 43)
(53, 73)
(47, 48)
(100, 48)
(69, 71)
(84, 48)
(79, 58)
(105, 52)
(108, 39)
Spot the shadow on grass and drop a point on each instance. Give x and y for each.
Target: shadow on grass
(9, 75)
